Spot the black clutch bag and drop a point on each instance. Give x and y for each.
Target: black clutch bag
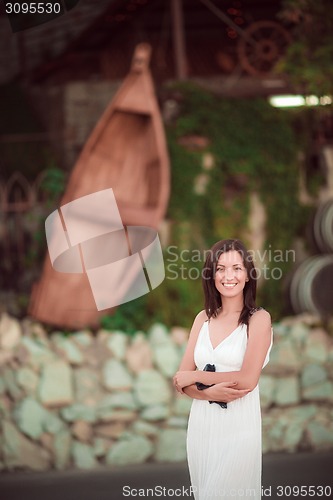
(201, 387)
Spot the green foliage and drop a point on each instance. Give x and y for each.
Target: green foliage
(128, 317)
(53, 183)
(308, 60)
(50, 190)
(254, 147)
(182, 201)
(177, 300)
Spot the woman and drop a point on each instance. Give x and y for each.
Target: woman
(233, 337)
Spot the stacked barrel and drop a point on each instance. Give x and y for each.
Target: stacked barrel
(311, 287)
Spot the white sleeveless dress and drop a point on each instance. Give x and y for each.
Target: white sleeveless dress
(224, 445)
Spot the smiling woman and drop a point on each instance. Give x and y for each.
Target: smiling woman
(228, 346)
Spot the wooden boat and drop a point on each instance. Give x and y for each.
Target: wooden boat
(126, 152)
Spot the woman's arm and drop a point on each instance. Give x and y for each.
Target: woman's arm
(187, 362)
(224, 391)
(259, 338)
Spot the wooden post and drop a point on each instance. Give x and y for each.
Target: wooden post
(22, 55)
(179, 39)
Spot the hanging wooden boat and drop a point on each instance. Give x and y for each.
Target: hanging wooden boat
(126, 152)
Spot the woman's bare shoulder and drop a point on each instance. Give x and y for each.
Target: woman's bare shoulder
(201, 316)
(260, 317)
(199, 320)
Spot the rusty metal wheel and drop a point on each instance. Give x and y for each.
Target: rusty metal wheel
(262, 45)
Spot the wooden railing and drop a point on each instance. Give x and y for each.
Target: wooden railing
(23, 208)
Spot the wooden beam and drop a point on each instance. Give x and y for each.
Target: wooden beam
(179, 39)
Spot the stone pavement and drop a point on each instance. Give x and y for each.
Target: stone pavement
(282, 474)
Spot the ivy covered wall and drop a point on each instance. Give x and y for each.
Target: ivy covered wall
(221, 151)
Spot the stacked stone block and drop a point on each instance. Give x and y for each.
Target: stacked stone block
(88, 400)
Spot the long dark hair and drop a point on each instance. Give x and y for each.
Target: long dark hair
(213, 302)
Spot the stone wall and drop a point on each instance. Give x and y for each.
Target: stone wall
(85, 400)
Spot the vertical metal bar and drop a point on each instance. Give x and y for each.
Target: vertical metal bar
(179, 39)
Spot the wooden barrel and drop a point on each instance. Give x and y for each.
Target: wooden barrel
(323, 227)
(311, 287)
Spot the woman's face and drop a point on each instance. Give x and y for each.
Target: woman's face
(231, 275)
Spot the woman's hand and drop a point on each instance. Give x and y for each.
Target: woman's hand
(183, 379)
(225, 391)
